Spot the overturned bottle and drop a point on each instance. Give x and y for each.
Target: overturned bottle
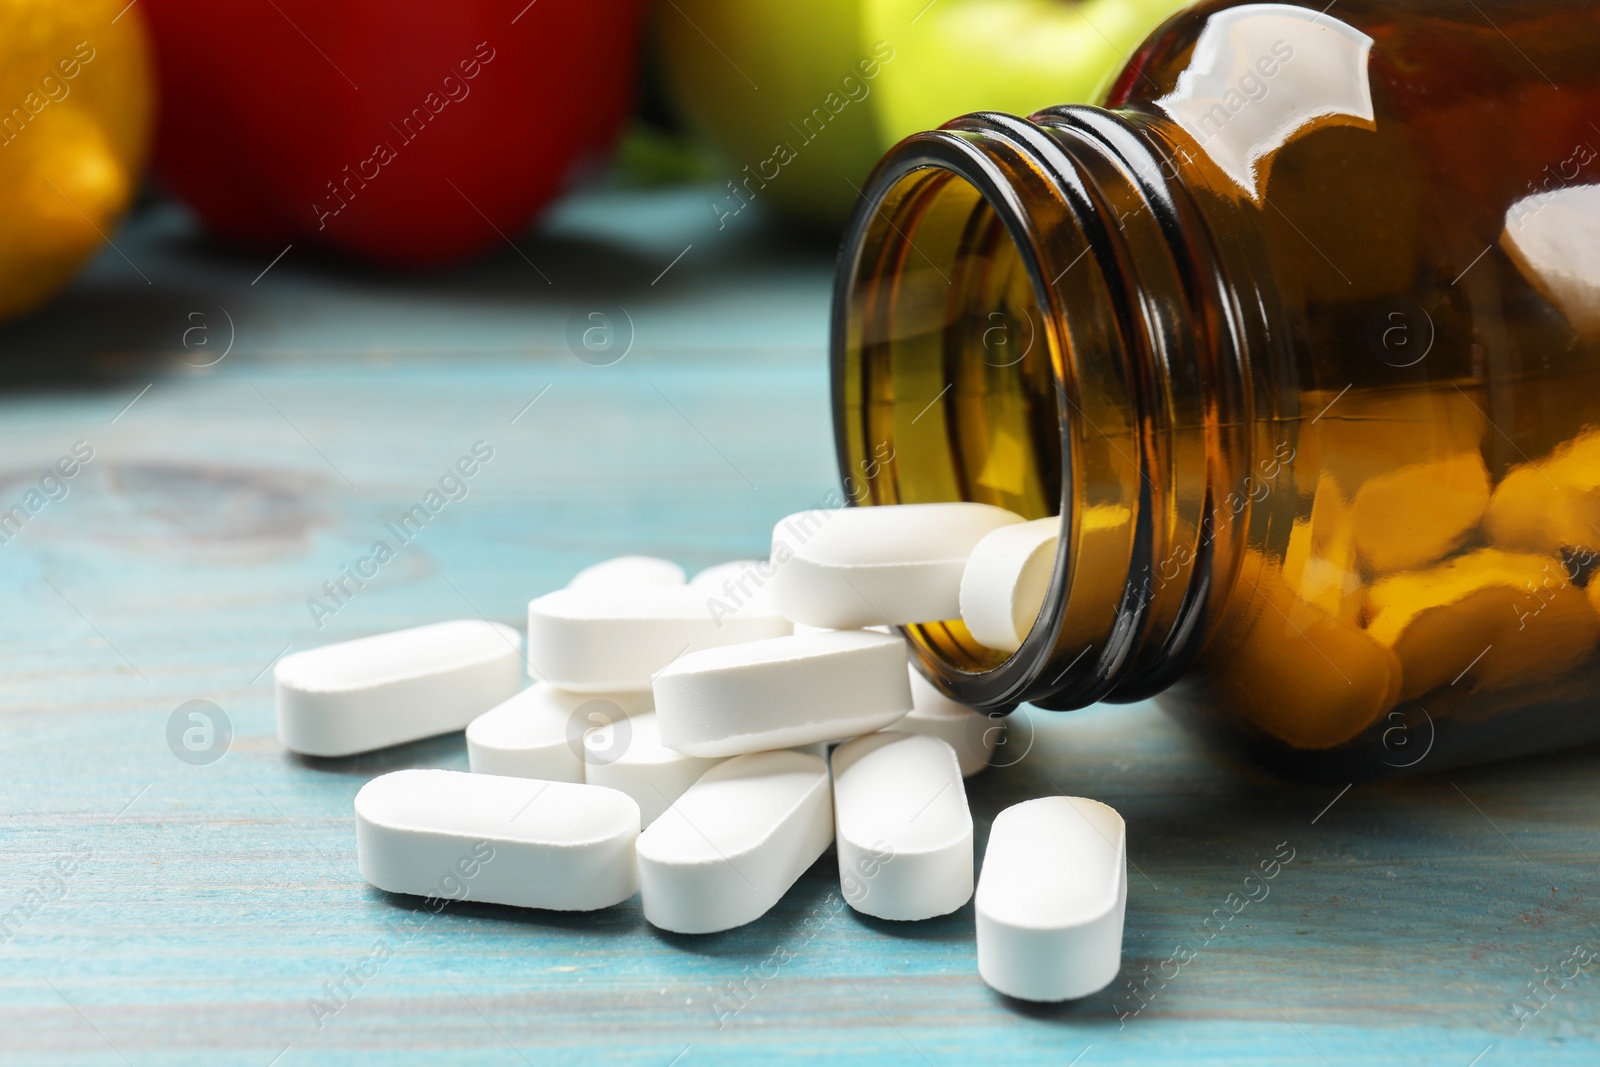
(1299, 337)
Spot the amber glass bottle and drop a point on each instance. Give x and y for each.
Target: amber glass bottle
(1300, 337)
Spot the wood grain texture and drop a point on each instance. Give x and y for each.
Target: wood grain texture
(207, 906)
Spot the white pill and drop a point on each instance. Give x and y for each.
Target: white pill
(383, 690)
(903, 828)
(1051, 899)
(971, 733)
(539, 733)
(1005, 581)
(741, 582)
(598, 640)
(628, 755)
(802, 628)
(628, 572)
(782, 692)
(732, 845)
(896, 564)
(537, 844)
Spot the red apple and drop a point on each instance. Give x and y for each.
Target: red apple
(404, 133)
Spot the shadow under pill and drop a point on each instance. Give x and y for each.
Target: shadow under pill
(1093, 1010)
(754, 941)
(619, 919)
(446, 751)
(724, 944)
(956, 926)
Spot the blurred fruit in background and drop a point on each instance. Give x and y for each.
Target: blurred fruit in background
(408, 134)
(740, 74)
(1015, 56)
(75, 116)
(805, 97)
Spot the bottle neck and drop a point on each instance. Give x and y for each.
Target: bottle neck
(1040, 314)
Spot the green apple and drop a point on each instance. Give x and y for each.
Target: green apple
(1017, 56)
(802, 98)
(748, 75)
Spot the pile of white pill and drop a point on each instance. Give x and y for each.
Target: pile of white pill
(702, 743)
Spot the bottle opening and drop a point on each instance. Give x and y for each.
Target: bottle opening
(1006, 332)
(949, 386)
(949, 370)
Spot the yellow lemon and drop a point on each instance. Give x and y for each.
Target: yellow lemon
(76, 107)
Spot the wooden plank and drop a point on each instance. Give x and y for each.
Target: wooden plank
(209, 908)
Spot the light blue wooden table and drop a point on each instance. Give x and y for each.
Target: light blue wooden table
(156, 911)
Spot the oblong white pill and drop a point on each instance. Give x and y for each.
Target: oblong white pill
(782, 692)
(628, 755)
(539, 733)
(732, 845)
(740, 582)
(1005, 582)
(628, 572)
(552, 845)
(598, 640)
(891, 564)
(373, 692)
(971, 733)
(1051, 899)
(904, 831)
